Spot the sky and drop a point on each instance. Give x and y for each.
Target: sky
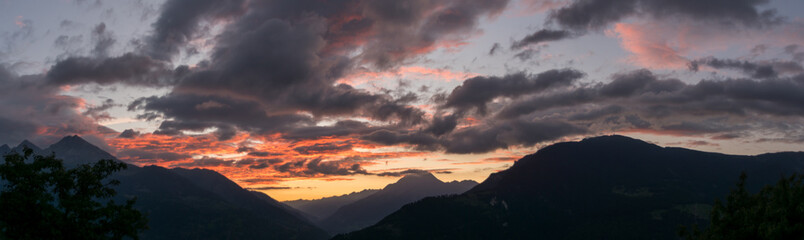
(314, 98)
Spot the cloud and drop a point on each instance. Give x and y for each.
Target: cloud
(403, 173)
(151, 156)
(317, 166)
(442, 124)
(768, 69)
(405, 29)
(495, 48)
(129, 68)
(103, 40)
(659, 33)
(205, 162)
(269, 188)
(478, 91)
(36, 111)
(98, 113)
(129, 133)
(582, 15)
(486, 138)
(419, 140)
(544, 35)
(650, 47)
(180, 20)
(320, 148)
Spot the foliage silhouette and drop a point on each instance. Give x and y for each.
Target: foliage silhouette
(41, 199)
(775, 212)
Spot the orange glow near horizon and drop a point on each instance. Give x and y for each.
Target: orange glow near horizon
(205, 151)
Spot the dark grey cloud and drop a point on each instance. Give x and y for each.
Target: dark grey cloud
(596, 113)
(637, 122)
(206, 162)
(69, 44)
(129, 68)
(199, 113)
(257, 163)
(769, 69)
(38, 112)
(318, 166)
(704, 127)
(526, 54)
(486, 138)
(151, 155)
(495, 48)
(477, 92)
(441, 125)
(322, 148)
(262, 154)
(98, 113)
(129, 133)
(583, 15)
(340, 128)
(544, 35)
(421, 141)
(103, 40)
(269, 188)
(180, 21)
(636, 82)
(793, 50)
(481, 138)
(667, 97)
(403, 173)
(404, 28)
(642, 100)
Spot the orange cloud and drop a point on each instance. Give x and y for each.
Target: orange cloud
(406, 72)
(650, 48)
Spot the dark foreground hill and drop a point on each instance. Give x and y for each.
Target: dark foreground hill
(610, 187)
(191, 204)
(371, 209)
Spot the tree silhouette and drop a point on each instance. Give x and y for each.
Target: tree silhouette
(776, 212)
(41, 199)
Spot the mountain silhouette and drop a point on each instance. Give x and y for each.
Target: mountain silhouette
(609, 187)
(26, 143)
(318, 209)
(74, 151)
(4, 149)
(191, 203)
(374, 207)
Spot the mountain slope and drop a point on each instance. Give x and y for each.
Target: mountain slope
(26, 143)
(192, 204)
(4, 149)
(259, 204)
(371, 209)
(74, 151)
(324, 207)
(610, 187)
(180, 208)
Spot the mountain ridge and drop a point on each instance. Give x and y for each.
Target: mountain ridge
(191, 203)
(609, 187)
(320, 208)
(369, 210)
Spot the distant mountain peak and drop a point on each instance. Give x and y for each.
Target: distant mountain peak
(72, 141)
(4, 149)
(26, 143)
(74, 150)
(419, 177)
